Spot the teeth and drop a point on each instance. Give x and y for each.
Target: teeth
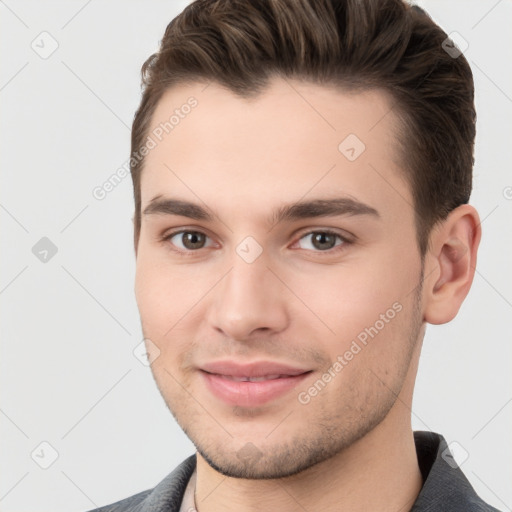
(251, 379)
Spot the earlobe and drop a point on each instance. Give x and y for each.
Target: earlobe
(453, 254)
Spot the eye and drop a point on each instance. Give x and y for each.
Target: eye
(323, 241)
(189, 240)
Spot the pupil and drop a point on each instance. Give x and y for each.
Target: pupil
(191, 240)
(320, 238)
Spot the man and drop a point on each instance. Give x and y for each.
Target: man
(301, 176)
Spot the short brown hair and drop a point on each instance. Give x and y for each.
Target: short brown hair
(353, 44)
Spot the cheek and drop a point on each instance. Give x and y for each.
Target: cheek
(155, 292)
(348, 299)
(366, 311)
(170, 299)
(160, 313)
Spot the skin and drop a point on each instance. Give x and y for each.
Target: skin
(351, 446)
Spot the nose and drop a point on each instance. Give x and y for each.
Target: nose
(250, 299)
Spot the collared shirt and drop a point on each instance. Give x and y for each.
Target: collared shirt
(445, 488)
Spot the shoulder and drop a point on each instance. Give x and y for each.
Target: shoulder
(445, 486)
(131, 504)
(164, 497)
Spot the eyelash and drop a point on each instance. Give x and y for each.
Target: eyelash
(335, 250)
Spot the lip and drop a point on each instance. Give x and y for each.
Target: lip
(250, 394)
(218, 379)
(255, 369)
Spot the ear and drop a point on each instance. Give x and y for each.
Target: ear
(450, 264)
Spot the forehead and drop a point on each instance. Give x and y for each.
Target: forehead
(294, 139)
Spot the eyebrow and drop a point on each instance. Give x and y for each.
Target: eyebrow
(294, 211)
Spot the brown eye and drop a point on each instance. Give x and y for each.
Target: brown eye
(323, 240)
(187, 240)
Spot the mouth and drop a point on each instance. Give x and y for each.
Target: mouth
(252, 379)
(251, 391)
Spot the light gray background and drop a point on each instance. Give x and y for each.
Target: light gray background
(69, 325)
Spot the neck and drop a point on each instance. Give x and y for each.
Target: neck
(378, 472)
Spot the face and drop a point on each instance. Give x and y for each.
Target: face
(278, 241)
